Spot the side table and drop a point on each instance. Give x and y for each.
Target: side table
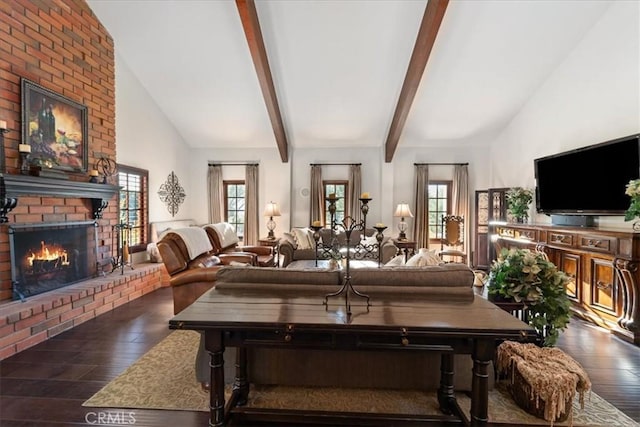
(406, 246)
(275, 247)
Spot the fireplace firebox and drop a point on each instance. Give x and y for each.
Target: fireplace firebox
(49, 256)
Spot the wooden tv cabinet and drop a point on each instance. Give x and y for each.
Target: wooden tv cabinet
(603, 265)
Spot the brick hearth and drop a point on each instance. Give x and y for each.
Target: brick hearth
(25, 324)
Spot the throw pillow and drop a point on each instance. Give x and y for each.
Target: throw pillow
(154, 253)
(395, 261)
(480, 278)
(423, 258)
(369, 241)
(289, 237)
(302, 238)
(312, 241)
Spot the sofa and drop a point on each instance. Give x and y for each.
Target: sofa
(188, 256)
(293, 248)
(336, 368)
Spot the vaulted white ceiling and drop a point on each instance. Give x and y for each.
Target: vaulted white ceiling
(338, 66)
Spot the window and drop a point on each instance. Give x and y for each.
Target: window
(234, 205)
(439, 195)
(340, 189)
(133, 207)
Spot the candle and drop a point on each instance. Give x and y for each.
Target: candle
(364, 196)
(93, 172)
(317, 223)
(23, 148)
(379, 225)
(3, 125)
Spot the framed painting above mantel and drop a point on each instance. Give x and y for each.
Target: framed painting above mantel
(55, 127)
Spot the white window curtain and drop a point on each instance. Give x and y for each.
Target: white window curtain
(355, 187)
(460, 201)
(421, 215)
(215, 189)
(316, 199)
(251, 218)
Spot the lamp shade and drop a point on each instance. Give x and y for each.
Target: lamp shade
(403, 211)
(272, 209)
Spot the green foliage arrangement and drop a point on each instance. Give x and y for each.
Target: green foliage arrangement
(518, 200)
(633, 191)
(521, 275)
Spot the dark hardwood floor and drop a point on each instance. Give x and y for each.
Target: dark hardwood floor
(47, 384)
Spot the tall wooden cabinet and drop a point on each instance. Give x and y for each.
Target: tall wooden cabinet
(603, 266)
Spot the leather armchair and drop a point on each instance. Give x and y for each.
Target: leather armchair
(264, 256)
(190, 278)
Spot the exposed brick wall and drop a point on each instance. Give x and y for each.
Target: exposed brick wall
(60, 45)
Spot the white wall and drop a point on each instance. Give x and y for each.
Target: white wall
(273, 180)
(301, 159)
(404, 174)
(145, 139)
(593, 96)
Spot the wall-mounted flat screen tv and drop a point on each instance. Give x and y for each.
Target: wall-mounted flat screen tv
(589, 180)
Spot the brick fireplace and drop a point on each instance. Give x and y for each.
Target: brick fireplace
(61, 46)
(47, 256)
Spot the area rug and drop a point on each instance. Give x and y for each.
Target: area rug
(164, 378)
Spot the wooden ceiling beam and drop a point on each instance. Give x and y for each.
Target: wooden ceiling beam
(431, 20)
(251, 26)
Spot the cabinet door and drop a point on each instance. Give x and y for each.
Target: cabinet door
(497, 210)
(603, 289)
(570, 264)
(481, 256)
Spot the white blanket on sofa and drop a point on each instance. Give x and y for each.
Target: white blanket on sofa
(195, 239)
(226, 233)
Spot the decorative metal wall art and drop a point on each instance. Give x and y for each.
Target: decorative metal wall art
(172, 194)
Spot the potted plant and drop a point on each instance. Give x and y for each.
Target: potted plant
(633, 190)
(521, 275)
(518, 200)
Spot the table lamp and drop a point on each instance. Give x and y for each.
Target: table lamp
(271, 210)
(403, 211)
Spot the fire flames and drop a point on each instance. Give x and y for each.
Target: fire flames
(54, 254)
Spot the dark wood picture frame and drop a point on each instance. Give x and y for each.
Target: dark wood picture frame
(55, 127)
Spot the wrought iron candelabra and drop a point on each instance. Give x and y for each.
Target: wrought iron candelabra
(348, 225)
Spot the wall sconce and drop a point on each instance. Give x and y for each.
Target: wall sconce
(271, 210)
(403, 211)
